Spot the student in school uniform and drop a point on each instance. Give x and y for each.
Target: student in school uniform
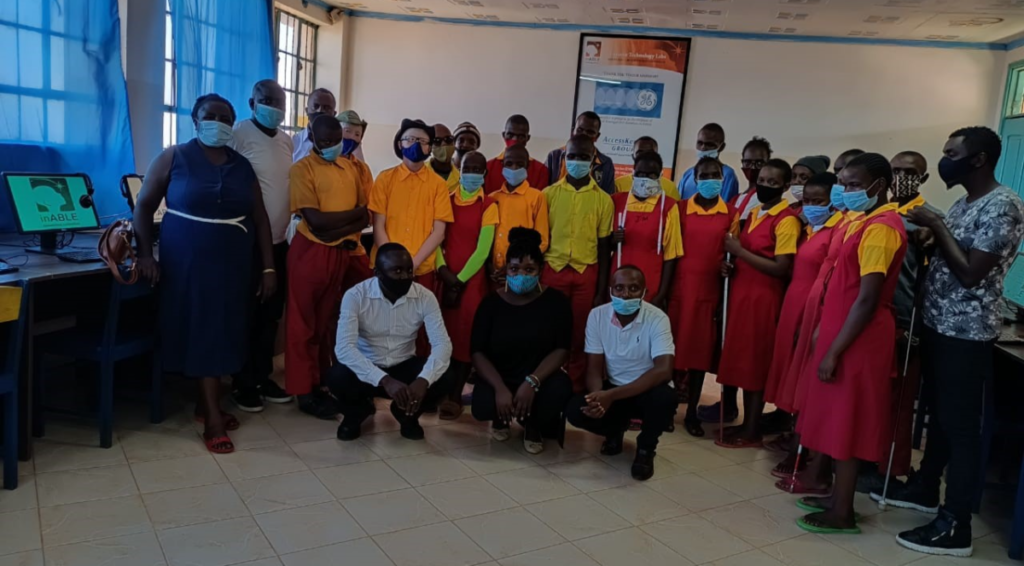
(710, 143)
(319, 102)
(520, 205)
(647, 229)
(460, 267)
(580, 217)
(516, 132)
(844, 158)
(761, 264)
(696, 292)
(353, 128)
(846, 415)
(410, 203)
(442, 151)
(644, 144)
(602, 169)
(803, 170)
(467, 139)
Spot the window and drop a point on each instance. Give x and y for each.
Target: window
(1014, 105)
(296, 66)
(170, 74)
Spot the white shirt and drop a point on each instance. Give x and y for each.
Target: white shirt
(373, 333)
(271, 158)
(302, 143)
(629, 352)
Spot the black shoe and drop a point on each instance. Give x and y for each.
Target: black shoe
(612, 446)
(248, 399)
(272, 392)
(912, 494)
(643, 465)
(872, 482)
(318, 404)
(945, 536)
(349, 430)
(776, 422)
(709, 413)
(412, 430)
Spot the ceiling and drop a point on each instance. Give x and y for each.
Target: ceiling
(963, 21)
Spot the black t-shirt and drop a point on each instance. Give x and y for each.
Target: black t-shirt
(516, 338)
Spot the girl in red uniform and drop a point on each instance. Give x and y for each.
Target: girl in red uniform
(762, 263)
(460, 261)
(647, 229)
(847, 411)
(696, 292)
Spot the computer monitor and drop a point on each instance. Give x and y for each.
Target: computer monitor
(1013, 284)
(131, 186)
(46, 204)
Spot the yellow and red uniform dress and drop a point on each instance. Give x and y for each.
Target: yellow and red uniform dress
(652, 235)
(755, 299)
(850, 416)
(697, 285)
(806, 266)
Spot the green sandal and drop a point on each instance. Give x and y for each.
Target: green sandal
(802, 504)
(803, 524)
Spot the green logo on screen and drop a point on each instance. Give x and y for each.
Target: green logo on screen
(53, 200)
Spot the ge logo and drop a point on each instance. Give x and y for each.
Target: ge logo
(646, 99)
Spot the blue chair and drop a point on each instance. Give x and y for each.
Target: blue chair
(105, 346)
(13, 313)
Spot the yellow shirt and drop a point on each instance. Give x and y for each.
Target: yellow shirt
(578, 219)
(327, 186)
(410, 202)
(625, 185)
(719, 208)
(524, 207)
(787, 232)
(879, 245)
(916, 202)
(671, 237)
(453, 178)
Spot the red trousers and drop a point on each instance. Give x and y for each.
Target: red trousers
(357, 272)
(315, 275)
(903, 410)
(580, 288)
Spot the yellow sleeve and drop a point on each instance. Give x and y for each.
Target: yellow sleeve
(624, 184)
(379, 194)
(540, 221)
(605, 212)
(301, 187)
(365, 180)
(734, 227)
(787, 234)
(877, 249)
(669, 188)
(442, 202)
(490, 215)
(672, 239)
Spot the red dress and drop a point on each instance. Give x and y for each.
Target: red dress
(697, 287)
(645, 233)
(849, 417)
(755, 300)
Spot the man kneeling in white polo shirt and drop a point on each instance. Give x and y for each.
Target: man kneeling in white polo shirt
(629, 365)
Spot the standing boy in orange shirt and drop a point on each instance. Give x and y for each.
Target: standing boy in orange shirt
(520, 204)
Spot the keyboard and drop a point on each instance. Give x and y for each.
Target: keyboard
(79, 256)
(1009, 337)
(7, 268)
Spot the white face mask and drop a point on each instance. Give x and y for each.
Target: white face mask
(644, 188)
(797, 191)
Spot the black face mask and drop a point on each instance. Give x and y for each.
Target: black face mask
(768, 194)
(953, 171)
(397, 287)
(751, 174)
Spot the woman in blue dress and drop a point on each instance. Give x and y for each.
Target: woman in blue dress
(215, 216)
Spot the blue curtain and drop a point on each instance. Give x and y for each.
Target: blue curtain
(63, 100)
(221, 46)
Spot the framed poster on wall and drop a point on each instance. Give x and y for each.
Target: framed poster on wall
(636, 84)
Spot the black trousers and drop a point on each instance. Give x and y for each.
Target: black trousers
(548, 403)
(656, 406)
(955, 372)
(355, 397)
(263, 322)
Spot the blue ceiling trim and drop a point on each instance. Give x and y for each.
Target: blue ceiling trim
(320, 4)
(1015, 44)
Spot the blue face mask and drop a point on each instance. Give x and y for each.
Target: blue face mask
(414, 153)
(331, 153)
(626, 307)
(838, 200)
(859, 201)
(709, 188)
(471, 182)
(522, 284)
(268, 116)
(817, 215)
(348, 146)
(712, 153)
(577, 169)
(514, 177)
(212, 133)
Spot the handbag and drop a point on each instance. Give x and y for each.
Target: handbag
(115, 249)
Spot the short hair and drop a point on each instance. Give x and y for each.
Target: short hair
(913, 154)
(876, 165)
(322, 91)
(590, 115)
(650, 156)
(718, 129)
(826, 179)
(708, 160)
(850, 153)
(518, 119)
(781, 165)
(979, 139)
(645, 139)
(518, 147)
(758, 142)
(631, 267)
(580, 138)
(523, 243)
(390, 248)
(211, 97)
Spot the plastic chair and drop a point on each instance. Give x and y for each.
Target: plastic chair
(13, 313)
(105, 346)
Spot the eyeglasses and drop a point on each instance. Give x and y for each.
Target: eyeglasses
(410, 140)
(752, 163)
(447, 140)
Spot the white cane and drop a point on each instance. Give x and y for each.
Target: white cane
(721, 390)
(899, 408)
(618, 248)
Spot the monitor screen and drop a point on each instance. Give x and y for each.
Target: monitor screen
(1013, 284)
(50, 203)
(134, 184)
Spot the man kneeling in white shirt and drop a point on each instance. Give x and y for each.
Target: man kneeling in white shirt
(376, 347)
(629, 343)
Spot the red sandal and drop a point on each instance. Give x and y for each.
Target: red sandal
(794, 485)
(225, 444)
(231, 422)
(736, 442)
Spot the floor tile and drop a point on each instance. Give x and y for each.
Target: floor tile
(130, 550)
(328, 453)
(742, 481)
(590, 474)
(92, 520)
(215, 544)
(764, 466)
(693, 457)
(507, 533)
(258, 463)
(561, 555)
(624, 464)
(553, 454)
(739, 455)
(19, 499)
(577, 517)
(163, 475)
(696, 539)
(459, 435)
(755, 525)
(74, 486)
(693, 492)
(894, 520)
(356, 480)
(465, 498)
(148, 446)
(51, 456)
(30, 558)
(426, 469)
(630, 547)
(752, 558)
(433, 545)
(492, 458)
(193, 505)
(362, 552)
(531, 485)
(19, 531)
(254, 432)
(263, 562)
(781, 505)
(274, 493)
(639, 504)
(874, 545)
(392, 511)
(302, 528)
(812, 550)
(393, 445)
(294, 426)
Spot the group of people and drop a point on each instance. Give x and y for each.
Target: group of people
(566, 294)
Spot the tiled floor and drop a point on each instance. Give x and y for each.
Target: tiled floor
(292, 495)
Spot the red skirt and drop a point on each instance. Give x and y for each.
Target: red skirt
(786, 338)
(755, 301)
(459, 320)
(693, 311)
(791, 393)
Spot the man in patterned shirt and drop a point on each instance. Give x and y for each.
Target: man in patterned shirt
(976, 243)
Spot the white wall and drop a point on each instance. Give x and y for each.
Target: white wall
(807, 98)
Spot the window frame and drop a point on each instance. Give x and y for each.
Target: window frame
(170, 113)
(304, 56)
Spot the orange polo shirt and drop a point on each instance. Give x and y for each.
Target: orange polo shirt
(523, 207)
(410, 202)
(328, 186)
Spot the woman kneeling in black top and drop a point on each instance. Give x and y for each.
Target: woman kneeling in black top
(520, 340)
